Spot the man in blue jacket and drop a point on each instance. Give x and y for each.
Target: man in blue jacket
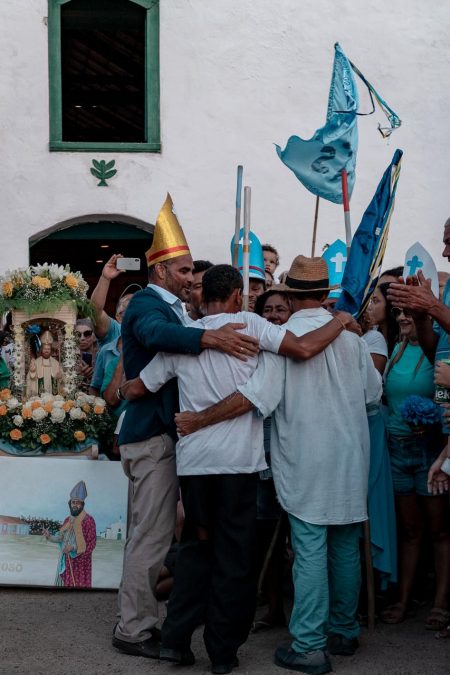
(154, 322)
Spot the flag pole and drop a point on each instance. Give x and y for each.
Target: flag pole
(316, 218)
(237, 222)
(346, 203)
(246, 246)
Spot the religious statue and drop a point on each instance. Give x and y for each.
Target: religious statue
(45, 374)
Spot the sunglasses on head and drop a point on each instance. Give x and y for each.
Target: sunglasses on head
(84, 333)
(396, 311)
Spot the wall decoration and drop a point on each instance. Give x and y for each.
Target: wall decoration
(103, 171)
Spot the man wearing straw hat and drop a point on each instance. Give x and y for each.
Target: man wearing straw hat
(154, 321)
(320, 462)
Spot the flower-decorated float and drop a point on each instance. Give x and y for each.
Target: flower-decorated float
(44, 412)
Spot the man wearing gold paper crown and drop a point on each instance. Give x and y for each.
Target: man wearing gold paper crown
(154, 322)
(45, 374)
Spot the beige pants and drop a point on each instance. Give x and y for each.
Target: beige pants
(150, 466)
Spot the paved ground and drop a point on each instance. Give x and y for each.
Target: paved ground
(69, 633)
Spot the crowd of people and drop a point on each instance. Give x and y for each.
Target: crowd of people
(267, 444)
(259, 443)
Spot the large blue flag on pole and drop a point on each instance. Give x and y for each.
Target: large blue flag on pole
(369, 244)
(318, 162)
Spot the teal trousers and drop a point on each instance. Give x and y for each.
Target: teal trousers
(327, 580)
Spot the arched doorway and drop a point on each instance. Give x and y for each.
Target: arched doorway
(86, 243)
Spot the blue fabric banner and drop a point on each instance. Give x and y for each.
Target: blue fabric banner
(369, 244)
(318, 162)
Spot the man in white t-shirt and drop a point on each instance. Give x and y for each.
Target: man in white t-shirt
(218, 468)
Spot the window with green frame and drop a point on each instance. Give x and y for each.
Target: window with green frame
(104, 75)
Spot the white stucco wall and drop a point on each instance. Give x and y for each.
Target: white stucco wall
(237, 76)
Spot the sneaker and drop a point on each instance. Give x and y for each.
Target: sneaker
(313, 663)
(341, 645)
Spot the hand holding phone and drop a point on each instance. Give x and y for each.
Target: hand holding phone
(128, 264)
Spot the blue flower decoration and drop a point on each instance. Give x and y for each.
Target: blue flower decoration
(419, 411)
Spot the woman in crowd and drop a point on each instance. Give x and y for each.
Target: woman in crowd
(412, 452)
(84, 332)
(381, 505)
(380, 317)
(272, 522)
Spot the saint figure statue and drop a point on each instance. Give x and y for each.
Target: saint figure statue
(45, 374)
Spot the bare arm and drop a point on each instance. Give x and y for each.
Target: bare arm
(100, 293)
(234, 405)
(379, 361)
(306, 346)
(110, 393)
(133, 389)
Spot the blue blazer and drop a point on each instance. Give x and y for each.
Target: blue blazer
(148, 327)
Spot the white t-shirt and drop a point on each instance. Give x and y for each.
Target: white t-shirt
(234, 446)
(376, 342)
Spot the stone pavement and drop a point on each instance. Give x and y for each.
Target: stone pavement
(69, 633)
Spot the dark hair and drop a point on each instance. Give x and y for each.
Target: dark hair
(311, 295)
(219, 281)
(271, 249)
(201, 266)
(394, 272)
(392, 325)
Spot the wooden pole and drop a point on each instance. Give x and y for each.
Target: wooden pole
(237, 221)
(246, 246)
(316, 218)
(369, 577)
(346, 203)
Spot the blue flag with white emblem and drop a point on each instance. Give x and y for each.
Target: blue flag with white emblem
(335, 256)
(369, 244)
(318, 162)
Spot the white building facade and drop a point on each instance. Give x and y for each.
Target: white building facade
(236, 76)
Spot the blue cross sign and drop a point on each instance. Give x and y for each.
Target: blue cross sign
(414, 264)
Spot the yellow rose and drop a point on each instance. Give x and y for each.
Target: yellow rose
(67, 405)
(41, 282)
(79, 435)
(5, 394)
(48, 406)
(45, 438)
(71, 281)
(26, 413)
(7, 289)
(86, 407)
(3, 410)
(99, 409)
(15, 434)
(35, 405)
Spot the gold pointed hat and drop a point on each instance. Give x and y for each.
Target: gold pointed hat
(168, 239)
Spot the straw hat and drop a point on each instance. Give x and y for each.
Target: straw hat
(306, 275)
(168, 239)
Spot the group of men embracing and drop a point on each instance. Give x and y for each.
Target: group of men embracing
(225, 373)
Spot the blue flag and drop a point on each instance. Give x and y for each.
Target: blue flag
(369, 244)
(318, 162)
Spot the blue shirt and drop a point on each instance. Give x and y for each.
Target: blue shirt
(112, 333)
(443, 345)
(106, 354)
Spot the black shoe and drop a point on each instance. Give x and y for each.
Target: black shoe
(156, 634)
(313, 663)
(148, 648)
(342, 646)
(224, 668)
(184, 657)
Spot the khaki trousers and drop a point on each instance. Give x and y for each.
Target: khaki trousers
(150, 466)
